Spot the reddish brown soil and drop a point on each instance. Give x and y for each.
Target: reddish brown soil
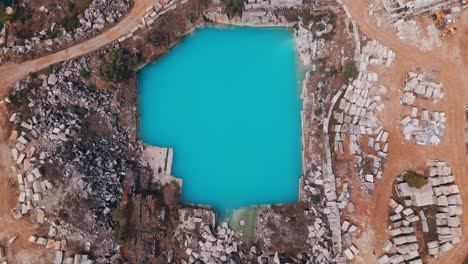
(450, 62)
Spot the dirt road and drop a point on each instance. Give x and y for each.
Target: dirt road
(449, 63)
(11, 72)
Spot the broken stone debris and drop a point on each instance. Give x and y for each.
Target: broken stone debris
(426, 129)
(92, 20)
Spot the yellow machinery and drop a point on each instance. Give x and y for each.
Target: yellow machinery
(439, 19)
(448, 32)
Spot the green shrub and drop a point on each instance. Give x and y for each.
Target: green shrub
(33, 75)
(307, 17)
(121, 234)
(120, 216)
(70, 22)
(350, 70)
(414, 180)
(234, 7)
(320, 26)
(4, 17)
(117, 65)
(291, 15)
(316, 199)
(85, 74)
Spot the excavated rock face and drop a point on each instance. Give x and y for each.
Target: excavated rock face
(152, 219)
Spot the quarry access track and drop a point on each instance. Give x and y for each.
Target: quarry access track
(11, 72)
(449, 63)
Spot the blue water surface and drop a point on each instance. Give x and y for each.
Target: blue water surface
(227, 101)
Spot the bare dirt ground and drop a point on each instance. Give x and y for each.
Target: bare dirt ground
(449, 63)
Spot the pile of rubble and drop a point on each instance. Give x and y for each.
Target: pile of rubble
(320, 182)
(93, 20)
(60, 246)
(263, 4)
(151, 16)
(51, 134)
(355, 114)
(308, 47)
(429, 132)
(421, 85)
(440, 190)
(195, 234)
(256, 13)
(94, 159)
(426, 128)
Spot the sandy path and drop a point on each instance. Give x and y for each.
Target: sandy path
(449, 62)
(11, 72)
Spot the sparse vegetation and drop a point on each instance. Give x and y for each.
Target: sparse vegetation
(25, 16)
(291, 15)
(85, 73)
(206, 3)
(4, 17)
(18, 97)
(306, 16)
(350, 70)
(70, 22)
(234, 7)
(156, 37)
(316, 199)
(120, 217)
(117, 65)
(414, 180)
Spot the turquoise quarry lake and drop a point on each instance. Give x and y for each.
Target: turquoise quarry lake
(228, 101)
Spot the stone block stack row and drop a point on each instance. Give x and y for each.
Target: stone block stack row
(420, 85)
(448, 200)
(374, 53)
(440, 190)
(356, 114)
(28, 163)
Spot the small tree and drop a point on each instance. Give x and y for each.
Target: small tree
(117, 65)
(156, 37)
(350, 70)
(234, 7)
(414, 180)
(70, 22)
